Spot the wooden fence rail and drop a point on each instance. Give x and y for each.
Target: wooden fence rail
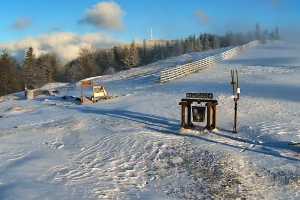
(186, 69)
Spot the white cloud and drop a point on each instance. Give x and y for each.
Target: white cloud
(105, 15)
(66, 45)
(202, 17)
(22, 24)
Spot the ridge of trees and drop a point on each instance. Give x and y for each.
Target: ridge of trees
(35, 71)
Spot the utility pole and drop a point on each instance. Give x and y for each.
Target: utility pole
(236, 91)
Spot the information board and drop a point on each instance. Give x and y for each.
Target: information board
(200, 95)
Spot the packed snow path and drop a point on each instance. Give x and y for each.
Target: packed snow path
(131, 147)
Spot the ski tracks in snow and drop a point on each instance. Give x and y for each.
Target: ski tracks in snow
(279, 128)
(117, 164)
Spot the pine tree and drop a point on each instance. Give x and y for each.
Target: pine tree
(4, 73)
(10, 80)
(46, 67)
(53, 65)
(87, 62)
(178, 46)
(198, 44)
(28, 69)
(117, 51)
(73, 71)
(110, 62)
(156, 53)
(205, 42)
(277, 34)
(133, 55)
(265, 36)
(215, 42)
(144, 53)
(126, 57)
(41, 75)
(258, 34)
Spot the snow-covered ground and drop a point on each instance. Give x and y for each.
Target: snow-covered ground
(132, 147)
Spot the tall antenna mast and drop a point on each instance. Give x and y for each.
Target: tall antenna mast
(151, 34)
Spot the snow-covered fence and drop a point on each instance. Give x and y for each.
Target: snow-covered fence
(183, 70)
(186, 69)
(236, 50)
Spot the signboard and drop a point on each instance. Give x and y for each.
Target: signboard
(86, 84)
(200, 95)
(99, 91)
(198, 113)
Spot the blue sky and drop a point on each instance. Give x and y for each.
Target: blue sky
(168, 18)
(66, 26)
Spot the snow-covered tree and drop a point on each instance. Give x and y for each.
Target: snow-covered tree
(28, 69)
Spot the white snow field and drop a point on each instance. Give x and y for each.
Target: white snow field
(132, 147)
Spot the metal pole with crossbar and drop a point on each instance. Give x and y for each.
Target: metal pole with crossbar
(236, 95)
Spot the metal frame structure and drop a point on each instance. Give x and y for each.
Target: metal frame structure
(186, 111)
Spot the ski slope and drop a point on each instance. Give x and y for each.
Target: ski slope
(132, 147)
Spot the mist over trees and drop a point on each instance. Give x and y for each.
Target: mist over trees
(35, 71)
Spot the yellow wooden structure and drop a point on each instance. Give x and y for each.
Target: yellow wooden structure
(98, 92)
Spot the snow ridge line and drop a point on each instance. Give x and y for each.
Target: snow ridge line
(189, 68)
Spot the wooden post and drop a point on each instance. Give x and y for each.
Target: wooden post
(208, 125)
(214, 121)
(183, 114)
(185, 120)
(183, 108)
(189, 119)
(81, 93)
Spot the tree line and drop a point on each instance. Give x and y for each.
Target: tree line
(35, 71)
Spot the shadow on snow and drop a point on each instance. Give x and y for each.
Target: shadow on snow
(170, 126)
